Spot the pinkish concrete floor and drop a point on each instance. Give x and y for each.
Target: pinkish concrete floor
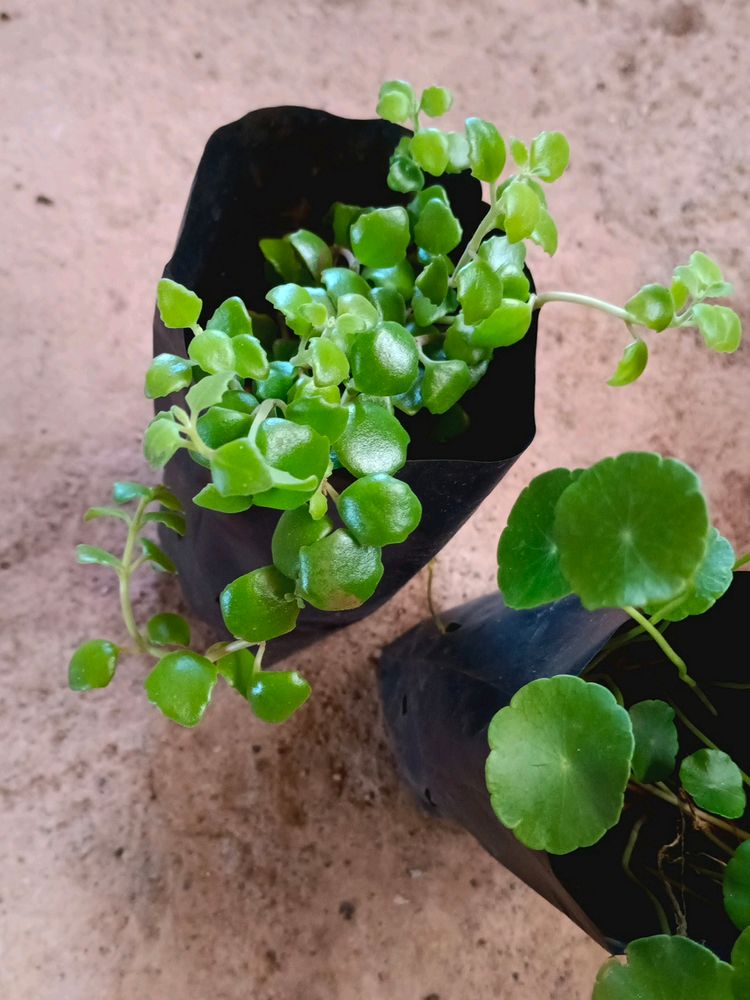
(142, 862)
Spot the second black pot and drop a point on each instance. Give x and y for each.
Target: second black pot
(271, 172)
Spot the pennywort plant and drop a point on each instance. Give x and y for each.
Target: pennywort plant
(381, 314)
(569, 758)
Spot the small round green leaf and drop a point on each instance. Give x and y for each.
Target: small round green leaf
(237, 669)
(397, 101)
(180, 685)
(522, 208)
(437, 230)
(373, 440)
(281, 255)
(429, 148)
(167, 373)
(380, 237)
(161, 441)
(276, 696)
(664, 968)
(480, 290)
(549, 156)
(720, 327)
(527, 554)
(404, 175)
(250, 359)
(281, 377)
(444, 383)
(289, 299)
(652, 307)
(239, 469)
(400, 278)
(321, 409)
(297, 458)
(631, 530)
(544, 233)
(313, 250)
(486, 149)
(632, 364)
(559, 763)
(741, 964)
(384, 361)
(213, 351)
(219, 425)
(210, 499)
(737, 887)
(656, 740)
(436, 101)
(178, 306)
(336, 574)
(231, 318)
(259, 605)
(341, 281)
(458, 152)
(714, 781)
(168, 629)
(93, 665)
(505, 326)
(294, 529)
(519, 151)
(379, 510)
(329, 363)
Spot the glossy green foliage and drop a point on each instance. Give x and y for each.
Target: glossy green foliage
(664, 968)
(210, 498)
(93, 665)
(737, 887)
(275, 697)
(632, 364)
(429, 149)
(486, 149)
(505, 325)
(232, 318)
(548, 156)
(336, 573)
(161, 440)
(714, 781)
(294, 529)
(167, 373)
(379, 510)
(178, 306)
(384, 361)
(741, 966)
(444, 383)
(180, 686)
(373, 440)
(652, 307)
(712, 579)
(437, 229)
(559, 763)
(379, 238)
(397, 101)
(435, 101)
(720, 327)
(656, 740)
(168, 629)
(259, 605)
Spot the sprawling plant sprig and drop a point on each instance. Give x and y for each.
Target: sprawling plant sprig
(631, 532)
(376, 316)
(182, 681)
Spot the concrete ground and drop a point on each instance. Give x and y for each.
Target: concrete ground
(139, 861)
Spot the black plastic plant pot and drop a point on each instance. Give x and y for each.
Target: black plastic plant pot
(440, 691)
(272, 172)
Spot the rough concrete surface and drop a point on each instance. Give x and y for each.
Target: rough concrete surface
(138, 860)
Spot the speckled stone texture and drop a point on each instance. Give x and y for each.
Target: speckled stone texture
(139, 861)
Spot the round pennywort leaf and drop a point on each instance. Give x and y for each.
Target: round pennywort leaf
(380, 238)
(656, 740)
(714, 781)
(336, 574)
(259, 605)
(379, 510)
(93, 665)
(180, 685)
(668, 968)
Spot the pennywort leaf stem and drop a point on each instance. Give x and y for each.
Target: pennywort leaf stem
(582, 300)
(662, 643)
(741, 561)
(661, 791)
(484, 227)
(626, 859)
(126, 571)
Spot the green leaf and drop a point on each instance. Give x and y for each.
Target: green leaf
(480, 290)
(707, 270)
(96, 512)
(289, 299)
(250, 359)
(161, 440)
(437, 230)
(390, 305)
(172, 519)
(400, 278)
(298, 459)
(631, 530)
(397, 101)
(380, 237)
(178, 306)
(719, 326)
(522, 210)
(237, 669)
(352, 304)
(343, 216)
(549, 156)
(239, 469)
(373, 440)
(259, 605)
(313, 250)
(166, 498)
(379, 510)
(714, 781)
(741, 963)
(404, 175)
(486, 149)
(285, 261)
(680, 294)
(656, 740)
(157, 556)
(180, 686)
(219, 426)
(93, 665)
(329, 363)
(436, 101)
(384, 361)
(713, 579)
(92, 555)
(545, 232)
(632, 364)
(321, 409)
(458, 152)
(127, 492)
(336, 574)
(652, 307)
(167, 373)
(341, 281)
(168, 630)
(527, 554)
(281, 377)
(207, 392)
(294, 529)
(505, 326)
(664, 968)
(210, 499)
(451, 424)
(429, 148)
(502, 255)
(276, 696)
(231, 318)
(559, 763)
(433, 281)
(444, 383)
(519, 152)
(458, 347)
(737, 887)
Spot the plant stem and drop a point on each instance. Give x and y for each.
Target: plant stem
(472, 246)
(626, 858)
(702, 736)
(741, 561)
(662, 792)
(439, 623)
(582, 300)
(129, 566)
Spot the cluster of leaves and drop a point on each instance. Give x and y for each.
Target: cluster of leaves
(182, 681)
(630, 532)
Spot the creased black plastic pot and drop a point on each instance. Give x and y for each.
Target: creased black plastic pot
(440, 691)
(271, 172)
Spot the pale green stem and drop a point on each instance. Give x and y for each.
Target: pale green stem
(661, 791)
(626, 858)
(582, 300)
(484, 227)
(129, 566)
(741, 561)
